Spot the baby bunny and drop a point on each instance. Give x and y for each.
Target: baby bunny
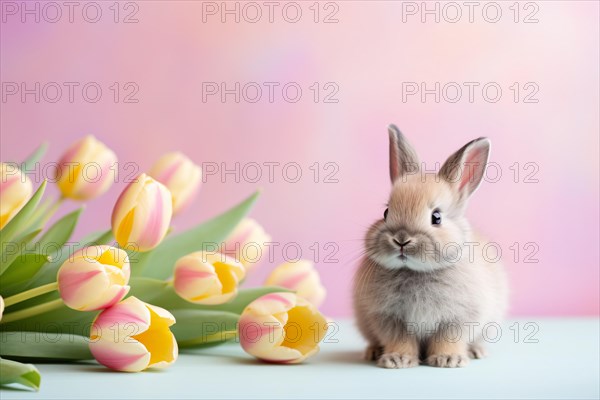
(424, 290)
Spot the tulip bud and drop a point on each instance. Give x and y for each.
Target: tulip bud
(86, 170)
(206, 278)
(142, 214)
(15, 191)
(94, 278)
(282, 328)
(180, 175)
(132, 336)
(247, 243)
(301, 277)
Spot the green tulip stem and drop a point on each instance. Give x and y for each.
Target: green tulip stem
(44, 212)
(53, 209)
(31, 293)
(32, 311)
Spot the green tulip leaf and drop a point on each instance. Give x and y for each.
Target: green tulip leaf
(40, 215)
(17, 276)
(12, 372)
(28, 236)
(16, 225)
(159, 262)
(15, 249)
(57, 321)
(45, 346)
(151, 290)
(199, 327)
(29, 163)
(162, 294)
(97, 238)
(57, 235)
(52, 244)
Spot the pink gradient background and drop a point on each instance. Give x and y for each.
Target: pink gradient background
(368, 53)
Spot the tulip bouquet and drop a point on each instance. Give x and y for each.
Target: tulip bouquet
(133, 295)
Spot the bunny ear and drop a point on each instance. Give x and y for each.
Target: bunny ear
(466, 167)
(403, 158)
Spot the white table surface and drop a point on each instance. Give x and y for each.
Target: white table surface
(563, 364)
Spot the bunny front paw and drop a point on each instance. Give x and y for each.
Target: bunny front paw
(448, 360)
(397, 360)
(477, 351)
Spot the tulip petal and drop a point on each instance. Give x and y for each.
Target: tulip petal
(15, 190)
(152, 217)
(272, 303)
(246, 243)
(129, 312)
(124, 230)
(301, 277)
(127, 200)
(133, 336)
(281, 327)
(94, 278)
(207, 278)
(112, 295)
(162, 313)
(79, 280)
(171, 358)
(158, 339)
(180, 175)
(155, 224)
(297, 336)
(130, 356)
(85, 170)
(142, 214)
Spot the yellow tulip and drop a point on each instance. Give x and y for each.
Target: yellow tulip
(301, 277)
(281, 328)
(247, 243)
(86, 170)
(133, 336)
(94, 278)
(15, 191)
(180, 175)
(207, 278)
(142, 214)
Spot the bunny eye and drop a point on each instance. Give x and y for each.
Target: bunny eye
(436, 217)
(385, 213)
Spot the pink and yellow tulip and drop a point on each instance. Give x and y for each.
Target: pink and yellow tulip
(301, 277)
(180, 175)
(281, 328)
(15, 191)
(247, 243)
(94, 278)
(207, 278)
(86, 170)
(142, 214)
(133, 336)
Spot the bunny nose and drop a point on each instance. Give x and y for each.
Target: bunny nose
(401, 244)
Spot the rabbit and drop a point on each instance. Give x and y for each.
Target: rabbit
(424, 291)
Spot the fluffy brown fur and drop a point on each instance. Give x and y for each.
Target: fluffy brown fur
(424, 291)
